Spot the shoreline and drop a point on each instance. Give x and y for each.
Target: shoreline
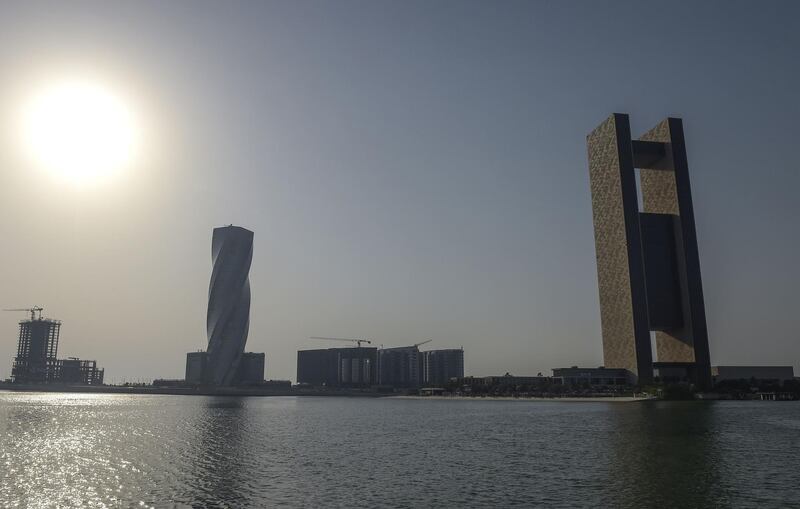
(329, 393)
(184, 391)
(563, 399)
(272, 392)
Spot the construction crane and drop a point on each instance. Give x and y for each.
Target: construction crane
(352, 340)
(32, 311)
(418, 344)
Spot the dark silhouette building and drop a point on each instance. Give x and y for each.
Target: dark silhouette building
(250, 369)
(228, 318)
(37, 349)
(337, 367)
(74, 371)
(196, 363)
(439, 366)
(317, 367)
(592, 376)
(647, 258)
(400, 366)
(225, 362)
(777, 374)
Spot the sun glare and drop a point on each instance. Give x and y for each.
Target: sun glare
(79, 131)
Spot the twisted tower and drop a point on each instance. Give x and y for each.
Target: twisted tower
(228, 319)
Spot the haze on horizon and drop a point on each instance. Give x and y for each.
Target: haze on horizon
(412, 170)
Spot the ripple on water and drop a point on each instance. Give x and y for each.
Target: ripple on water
(76, 450)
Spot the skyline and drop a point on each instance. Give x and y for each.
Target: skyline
(408, 176)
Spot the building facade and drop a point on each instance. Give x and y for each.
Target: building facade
(507, 380)
(317, 367)
(439, 366)
(74, 371)
(647, 258)
(400, 367)
(196, 363)
(601, 376)
(337, 367)
(250, 369)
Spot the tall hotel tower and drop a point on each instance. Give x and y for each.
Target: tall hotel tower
(648, 264)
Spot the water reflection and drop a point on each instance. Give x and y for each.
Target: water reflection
(192, 451)
(665, 454)
(220, 454)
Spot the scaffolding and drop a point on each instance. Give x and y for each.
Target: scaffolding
(37, 355)
(78, 371)
(37, 350)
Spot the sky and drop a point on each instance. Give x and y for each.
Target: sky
(412, 170)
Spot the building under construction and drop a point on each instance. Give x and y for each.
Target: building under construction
(440, 366)
(402, 367)
(76, 371)
(37, 349)
(337, 367)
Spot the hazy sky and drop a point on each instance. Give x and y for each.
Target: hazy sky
(411, 170)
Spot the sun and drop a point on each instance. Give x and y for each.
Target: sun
(80, 131)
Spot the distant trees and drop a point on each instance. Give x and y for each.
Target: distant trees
(544, 387)
(744, 388)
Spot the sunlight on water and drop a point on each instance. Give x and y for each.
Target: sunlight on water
(78, 450)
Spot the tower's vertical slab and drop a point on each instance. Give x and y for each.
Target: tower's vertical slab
(228, 318)
(660, 196)
(670, 192)
(623, 314)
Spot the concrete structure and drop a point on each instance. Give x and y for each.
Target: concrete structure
(763, 373)
(400, 367)
(439, 366)
(337, 367)
(250, 370)
(357, 366)
(196, 363)
(647, 258)
(592, 376)
(318, 367)
(74, 371)
(37, 349)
